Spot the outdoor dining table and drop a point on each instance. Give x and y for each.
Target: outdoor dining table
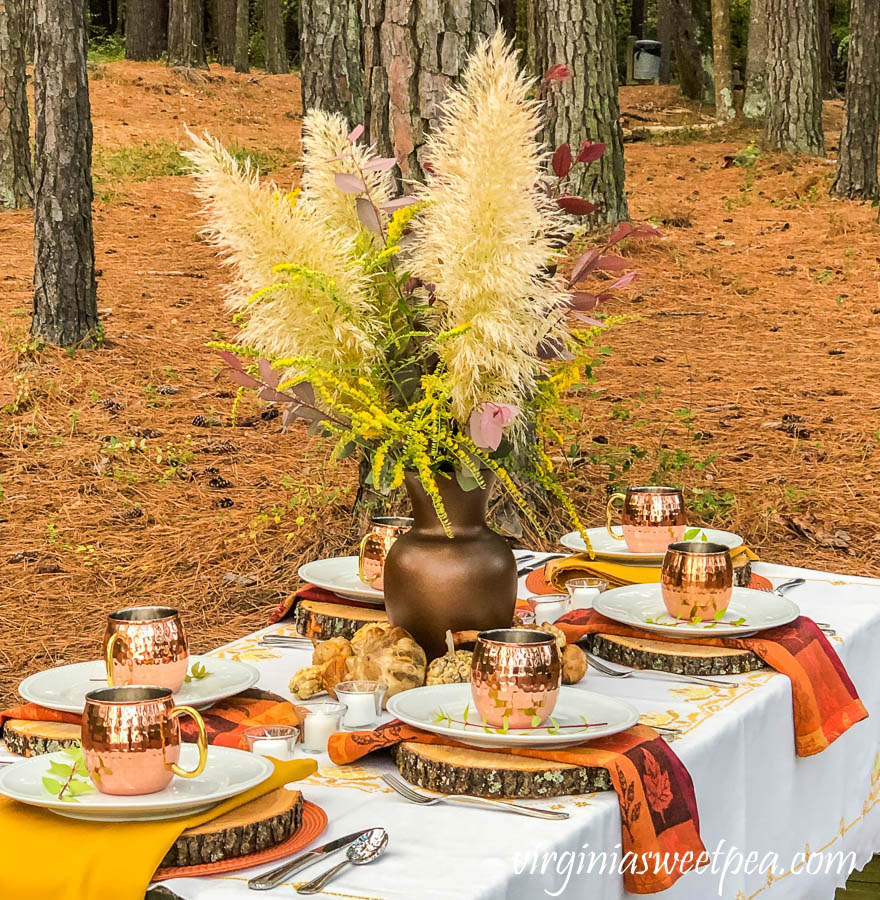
(777, 826)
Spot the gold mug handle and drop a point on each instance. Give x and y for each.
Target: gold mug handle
(108, 657)
(361, 571)
(202, 742)
(609, 512)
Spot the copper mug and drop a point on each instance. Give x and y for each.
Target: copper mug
(515, 677)
(146, 645)
(696, 580)
(131, 739)
(653, 517)
(375, 544)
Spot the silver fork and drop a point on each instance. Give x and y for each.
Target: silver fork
(408, 793)
(797, 582)
(601, 666)
(286, 640)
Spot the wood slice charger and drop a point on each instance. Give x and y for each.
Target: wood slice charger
(268, 828)
(321, 621)
(483, 773)
(29, 738)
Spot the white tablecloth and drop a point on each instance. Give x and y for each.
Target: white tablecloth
(761, 807)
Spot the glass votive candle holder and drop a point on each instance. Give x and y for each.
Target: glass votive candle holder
(322, 718)
(274, 741)
(549, 607)
(583, 591)
(363, 702)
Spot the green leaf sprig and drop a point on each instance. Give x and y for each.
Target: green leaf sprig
(691, 534)
(75, 776)
(197, 673)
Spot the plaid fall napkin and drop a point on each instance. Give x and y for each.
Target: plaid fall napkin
(824, 698)
(658, 807)
(225, 722)
(310, 592)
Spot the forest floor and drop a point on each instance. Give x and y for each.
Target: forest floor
(747, 371)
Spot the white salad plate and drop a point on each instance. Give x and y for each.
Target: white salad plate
(605, 547)
(228, 773)
(421, 707)
(641, 606)
(65, 687)
(339, 574)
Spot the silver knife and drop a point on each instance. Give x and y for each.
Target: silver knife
(272, 879)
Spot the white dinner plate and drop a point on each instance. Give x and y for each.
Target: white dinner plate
(340, 575)
(65, 687)
(641, 605)
(605, 547)
(228, 772)
(420, 708)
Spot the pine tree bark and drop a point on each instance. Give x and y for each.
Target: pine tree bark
(186, 34)
(413, 51)
(507, 14)
(723, 68)
(65, 293)
(823, 13)
(146, 29)
(224, 28)
(666, 27)
(637, 19)
(692, 45)
(16, 181)
(241, 56)
(581, 35)
(756, 102)
(332, 72)
(273, 28)
(794, 82)
(857, 161)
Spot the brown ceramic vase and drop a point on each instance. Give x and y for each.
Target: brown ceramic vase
(434, 582)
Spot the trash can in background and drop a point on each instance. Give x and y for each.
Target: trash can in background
(646, 61)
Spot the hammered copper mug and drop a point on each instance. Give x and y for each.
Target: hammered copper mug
(696, 580)
(375, 544)
(131, 739)
(515, 677)
(146, 645)
(653, 517)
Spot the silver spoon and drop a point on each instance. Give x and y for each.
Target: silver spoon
(361, 851)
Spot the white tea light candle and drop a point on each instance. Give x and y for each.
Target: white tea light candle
(584, 591)
(273, 741)
(322, 719)
(549, 607)
(363, 702)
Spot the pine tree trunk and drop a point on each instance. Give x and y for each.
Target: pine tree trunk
(146, 29)
(65, 302)
(755, 102)
(666, 27)
(794, 83)
(242, 36)
(692, 45)
(332, 72)
(16, 182)
(857, 161)
(413, 51)
(507, 14)
(224, 11)
(823, 13)
(273, 26)
(29, 7)
(637, 19)
(723, 68)
(581, 35)
(186, 34)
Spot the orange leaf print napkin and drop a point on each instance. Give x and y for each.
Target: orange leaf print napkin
(658, 808)
(824, 699)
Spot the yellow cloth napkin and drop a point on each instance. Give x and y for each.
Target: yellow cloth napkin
(49, 857)
(558, 571)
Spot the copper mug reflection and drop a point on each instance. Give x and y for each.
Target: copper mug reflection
(146, 645)
(375, 544)
(653, 517)
(131, 739)
(515, 677)
(696, 579)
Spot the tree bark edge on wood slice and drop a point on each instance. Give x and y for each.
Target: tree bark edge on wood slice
(258, 825)
(321, 621)
(484, 773)
(26, 737)
(680, 659)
